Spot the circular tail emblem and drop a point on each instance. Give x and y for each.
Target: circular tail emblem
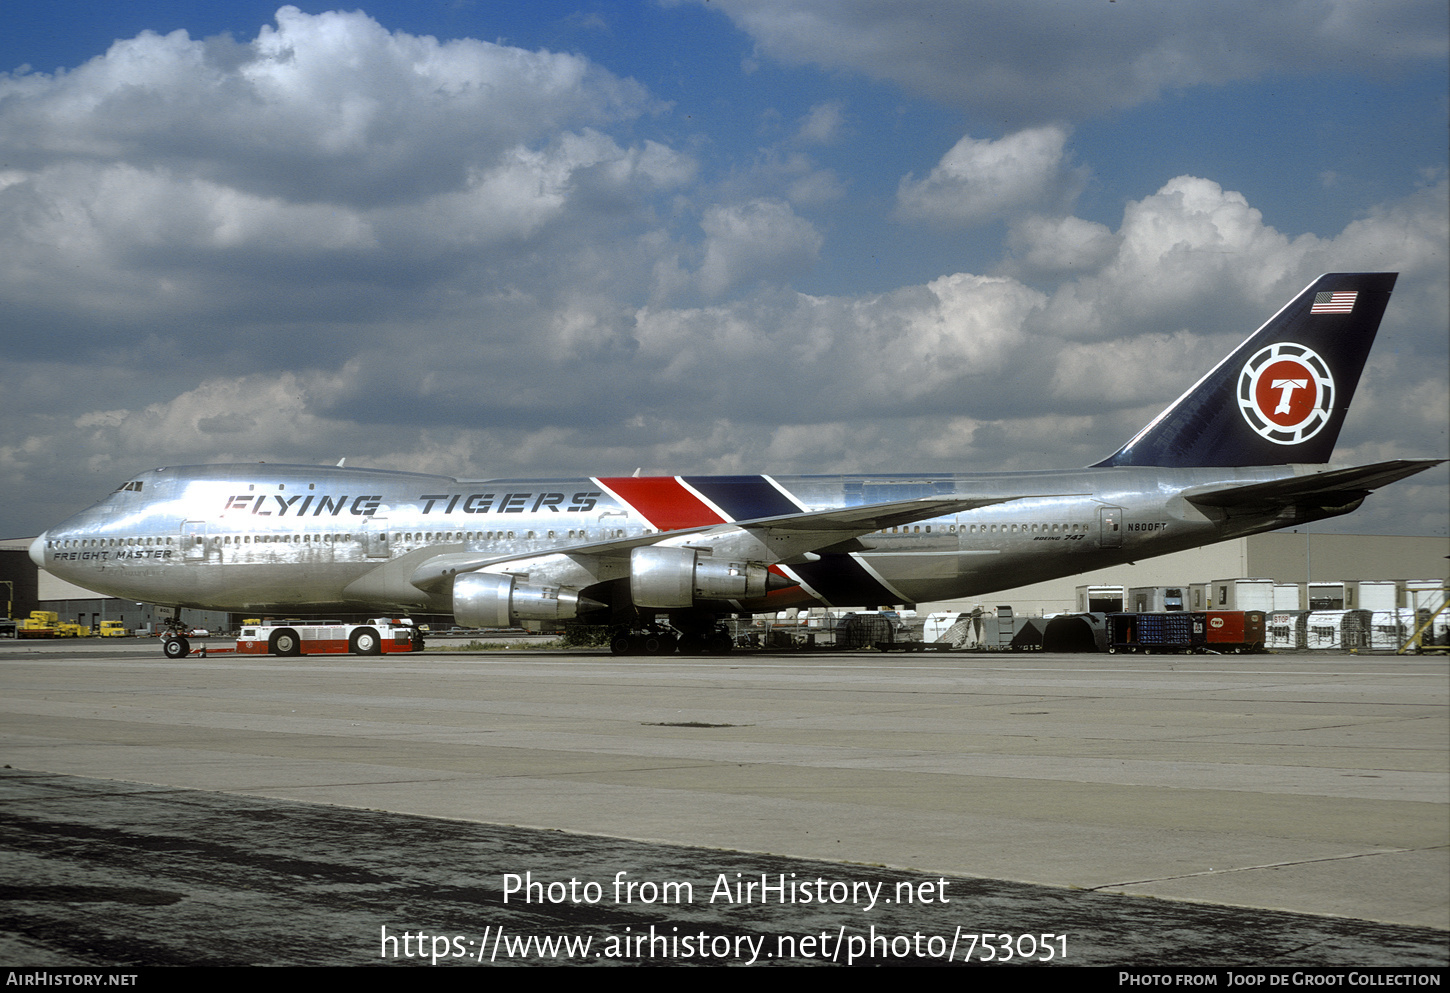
(1286, 392)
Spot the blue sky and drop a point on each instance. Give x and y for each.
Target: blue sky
(790, 236)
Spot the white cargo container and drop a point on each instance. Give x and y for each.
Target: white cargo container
(1335, 595)
(1100, 599)
(1286, 629)
(1425, 594)
(1389, 629)
(1200, 596)
(1286, 596)
(1243, 594)
(1156, 599)
(1379, 594)
(1342, 630)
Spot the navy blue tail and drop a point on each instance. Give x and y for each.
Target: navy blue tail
(1282, 395)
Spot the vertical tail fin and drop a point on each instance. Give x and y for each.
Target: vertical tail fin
(1281, 396)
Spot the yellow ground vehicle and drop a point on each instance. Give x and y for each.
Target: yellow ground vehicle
(113, 629)
(40, 624)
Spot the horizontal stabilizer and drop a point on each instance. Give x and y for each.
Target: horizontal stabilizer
(1330, 484)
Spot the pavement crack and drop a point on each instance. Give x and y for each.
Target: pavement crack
(1252, 868)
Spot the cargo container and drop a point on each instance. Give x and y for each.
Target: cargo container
(1343, 630)
(1243, 594)
(1076, 633)
(1287, 629)
(1156, 599)
(1335, 595)
(1154, 632)
(1100, 599)
(1389, 629)
(1425, 594)
(1234, 630)
(1286, 597)
(1379, 594)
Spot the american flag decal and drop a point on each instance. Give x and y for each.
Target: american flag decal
(1334, 303)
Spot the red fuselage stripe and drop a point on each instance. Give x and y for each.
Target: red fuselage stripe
(662, 501)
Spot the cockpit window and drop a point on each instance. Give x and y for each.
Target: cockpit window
(132, 487)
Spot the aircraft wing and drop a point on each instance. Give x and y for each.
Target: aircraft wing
(1330, 486)
(871, 517)
(784, 536)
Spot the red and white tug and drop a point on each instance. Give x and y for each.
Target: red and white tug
(379, 636)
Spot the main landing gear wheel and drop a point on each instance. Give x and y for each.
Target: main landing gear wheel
(175, 648)
(654, 643)
(365, 642)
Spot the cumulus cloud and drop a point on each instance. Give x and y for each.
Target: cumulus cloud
(755, 240)
(980, 180)
(823, 124)
(329, 107)
(1085, 60)
(1055, 247)
(316, 177)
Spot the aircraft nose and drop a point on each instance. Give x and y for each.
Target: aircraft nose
(37, 550)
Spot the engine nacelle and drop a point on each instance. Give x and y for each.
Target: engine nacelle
(672, 578)
(491, 600)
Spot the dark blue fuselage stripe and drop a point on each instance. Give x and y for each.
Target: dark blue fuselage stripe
(842, 581)
(743, 498)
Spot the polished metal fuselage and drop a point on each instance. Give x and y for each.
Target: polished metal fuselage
(305, 539)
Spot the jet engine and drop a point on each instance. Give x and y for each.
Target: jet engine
(673, 578)
(494, 600)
